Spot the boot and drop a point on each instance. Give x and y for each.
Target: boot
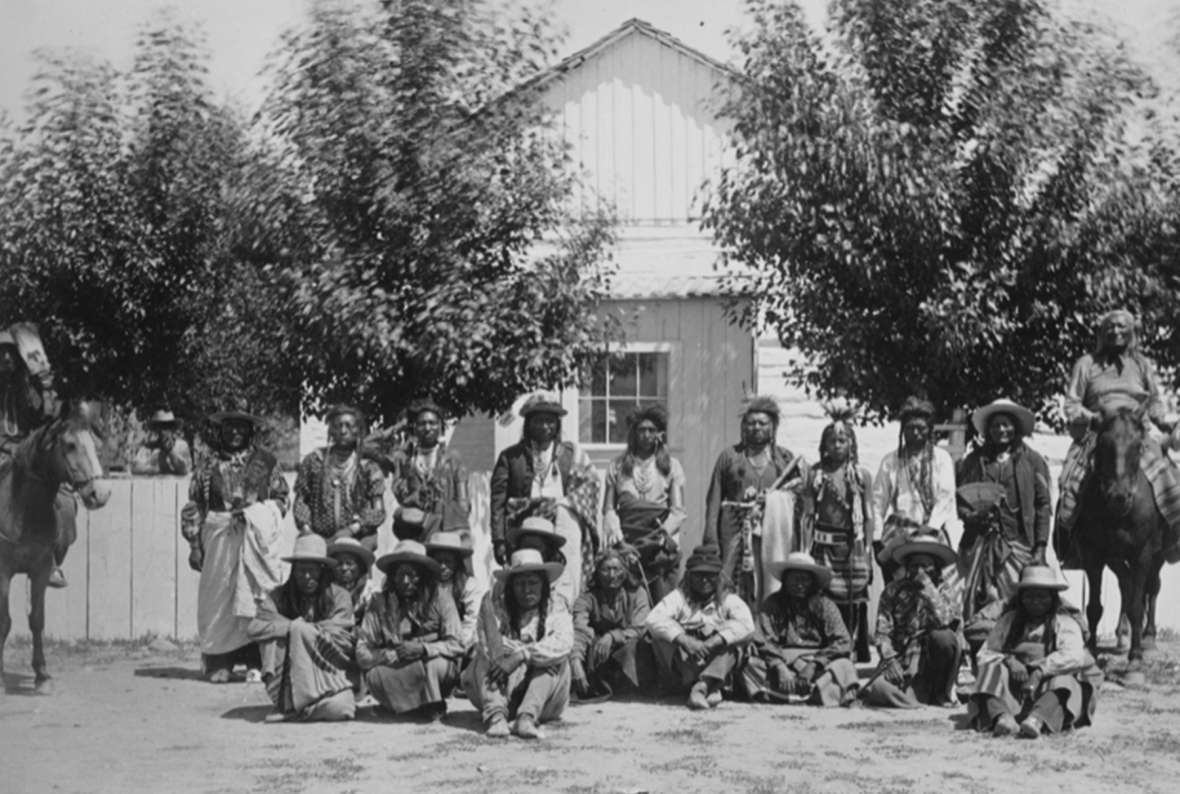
(57, 578)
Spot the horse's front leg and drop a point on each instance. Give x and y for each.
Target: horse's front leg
(37, 584)
(1094, 602)
(1133, 586)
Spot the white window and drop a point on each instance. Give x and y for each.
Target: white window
(619, 382)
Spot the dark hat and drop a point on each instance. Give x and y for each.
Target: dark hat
(221, 417)
(409, 523)
(915, 406)
(408, 551)
(162, 419)
(705, 559)
(541, 403)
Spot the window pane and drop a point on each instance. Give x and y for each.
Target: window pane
(598, 376)
(620, 410)
(585, 420)
(623, 381)
(598, 421)
(653, 375)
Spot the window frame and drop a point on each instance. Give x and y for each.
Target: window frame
(672, 349)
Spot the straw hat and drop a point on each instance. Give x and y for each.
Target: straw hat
(162, 419)
(311, 548)
(1040, 577)
(541, 403)
(354, 547)
(526, 561)
(802, 561)
(449, 541)
(408, 551)
(925, 543)
(704, 559)
(535, 525)
(1024, 418)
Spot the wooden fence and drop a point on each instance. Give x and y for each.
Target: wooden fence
(129, 576)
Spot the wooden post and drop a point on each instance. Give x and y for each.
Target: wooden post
(957, 429)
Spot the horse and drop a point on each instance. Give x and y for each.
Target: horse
(32, 512)
(1120, 526)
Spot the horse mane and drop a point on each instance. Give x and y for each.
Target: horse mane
(24, 458)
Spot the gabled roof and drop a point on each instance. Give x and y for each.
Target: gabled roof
(631, 26)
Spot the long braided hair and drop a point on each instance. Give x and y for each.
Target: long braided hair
(416, 609)
(919, 467)
(658, 417)
(516, 613)
(850, 471)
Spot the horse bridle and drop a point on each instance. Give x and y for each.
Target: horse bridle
(51, 431)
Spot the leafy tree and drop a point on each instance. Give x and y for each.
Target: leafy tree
(424, 213)
(943, 195)
(121, 199)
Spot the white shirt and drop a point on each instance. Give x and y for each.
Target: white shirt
(895, 493)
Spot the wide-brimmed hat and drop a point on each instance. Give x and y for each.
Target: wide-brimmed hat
(162, 419)
(535, 525)
(541, 404)
(221, 417)
(408, 551)
(915, 406)
(925, 543)
(1040, 577)
(527, 560)
(409, 523)
(1021, 415)
(705, 559)
(310, 548)
(449, 541)
(354, 547)
(802, 561)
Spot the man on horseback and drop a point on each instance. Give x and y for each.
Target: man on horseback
(1115, 376)
(27, 401)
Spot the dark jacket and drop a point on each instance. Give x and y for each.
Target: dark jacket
(728, 484)
(512, 478)
(1032, 489)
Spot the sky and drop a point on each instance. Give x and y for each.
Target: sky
(241, 32)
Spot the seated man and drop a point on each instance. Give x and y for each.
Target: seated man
(409, 645)
(304, 630)
(802, 649)
(1035, 674)
(524, 638)
(353, 563)
(608, 620)
(917, 630)
(699, 631)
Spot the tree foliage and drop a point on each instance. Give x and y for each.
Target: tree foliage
(424, 208)
(942, 195)
(394, 222)
(120, 199)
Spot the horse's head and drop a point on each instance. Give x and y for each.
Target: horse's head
(70, 455)
(1116, 458)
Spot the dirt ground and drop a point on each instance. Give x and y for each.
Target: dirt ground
(129, 719)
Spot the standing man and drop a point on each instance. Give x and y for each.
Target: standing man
(546, 476)
(339, 493)
(27, 401)
(165, 451)
(426, 474)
